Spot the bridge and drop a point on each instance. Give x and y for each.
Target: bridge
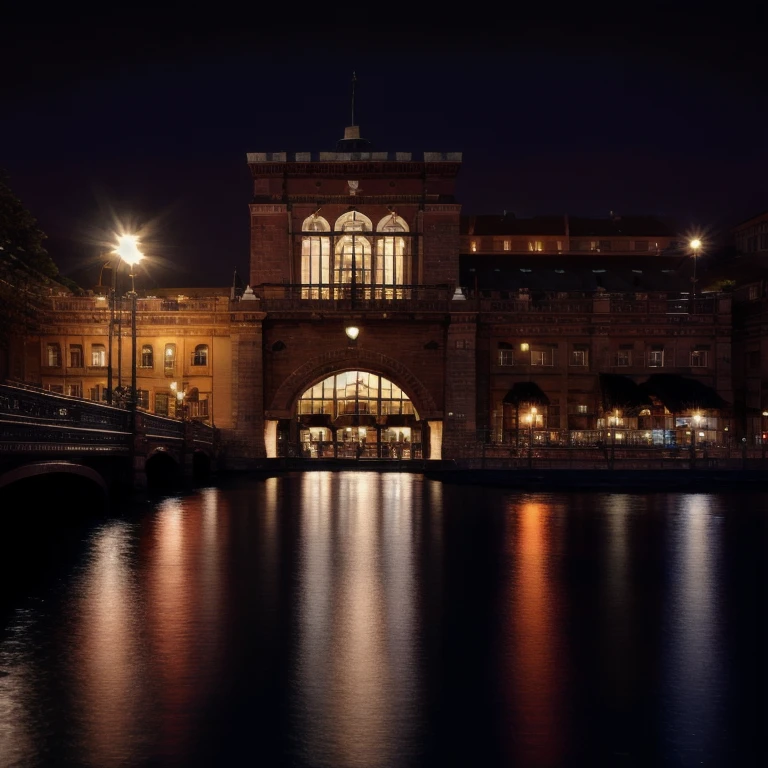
(52, 439)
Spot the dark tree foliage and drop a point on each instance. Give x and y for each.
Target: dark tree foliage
(27, 272)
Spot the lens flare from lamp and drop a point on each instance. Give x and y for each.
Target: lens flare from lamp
(696, 244)
(352, 331)
(128, 249)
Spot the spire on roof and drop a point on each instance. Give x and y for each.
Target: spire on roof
(352, 141)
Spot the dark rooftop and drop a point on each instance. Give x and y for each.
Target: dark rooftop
(578, 226)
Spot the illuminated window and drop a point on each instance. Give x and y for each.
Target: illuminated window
(200, 356)
(161, 403)
(98, 355)
(53, 355)
(624, 358)
(355, 393)
(473, 246)
(147, 356)
(559, 245)
(506, 357)
(535, 245)
(582, 409)
(353, 254)
(315, 259)
(75, 356)
(391, 262)
(169, 359)
(142, 398)
(507, 245)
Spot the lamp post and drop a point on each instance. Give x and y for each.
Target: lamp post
(128, 251)
(764, 435)
(613, 436)
(695, 247)
(694, 427)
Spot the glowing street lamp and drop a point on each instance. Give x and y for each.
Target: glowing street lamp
(128, 251)
(696, 422)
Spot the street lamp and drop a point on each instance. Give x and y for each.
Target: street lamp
(695, 247)
(128, 251)
(764, 435)
(531, 421)
(696, 422)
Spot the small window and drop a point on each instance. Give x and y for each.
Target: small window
(76, 356)
(582, 408)
(147, 356)
(507, 245)
(98, 355)
(473, 246)
(506, 357)
(535, 245)
(699, 358)
(542, 356)
(624, 358)
(462, 344)
(579, 357)
(142, 399)
(754, 292)
(656, 358)
(56, 389)
(54, 356)
(161, 404)
(201, 355)
(75, 390)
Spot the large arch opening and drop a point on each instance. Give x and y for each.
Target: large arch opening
(355, 414)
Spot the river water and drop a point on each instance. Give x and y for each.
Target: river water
(366, 619)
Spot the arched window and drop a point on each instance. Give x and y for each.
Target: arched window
(147, 356)
(353, 254)
(315, 258)
(392, 266)
(200, 356)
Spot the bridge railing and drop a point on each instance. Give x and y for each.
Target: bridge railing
(25, 403)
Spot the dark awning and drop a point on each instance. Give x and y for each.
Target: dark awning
(355, 420)
(526, 392)
(679, 393)
(622, 393)
(316, 420)
(401, 420)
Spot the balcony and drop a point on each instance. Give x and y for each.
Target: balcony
(343, 298)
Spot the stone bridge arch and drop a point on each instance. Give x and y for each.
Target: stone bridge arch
(49, 468)
(335, 361)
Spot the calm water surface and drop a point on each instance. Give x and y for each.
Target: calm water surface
(363, 619)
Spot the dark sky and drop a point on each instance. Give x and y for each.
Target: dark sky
(145, 117)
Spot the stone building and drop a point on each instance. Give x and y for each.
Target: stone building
(379, 322)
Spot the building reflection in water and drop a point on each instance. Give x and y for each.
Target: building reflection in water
(355, 675)
(536, 671)
(693, 692)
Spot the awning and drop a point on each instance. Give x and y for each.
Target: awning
(401, 420)
(526, 392)
(355, 420)
(316, 420)
(679, 393)
(623, 394)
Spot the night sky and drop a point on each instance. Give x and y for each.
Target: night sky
(146, 117)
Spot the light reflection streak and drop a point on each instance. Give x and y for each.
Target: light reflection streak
(536, 674)
(107, 663)
(355, 663)
(693, 674)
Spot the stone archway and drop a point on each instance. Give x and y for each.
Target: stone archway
(339, 360)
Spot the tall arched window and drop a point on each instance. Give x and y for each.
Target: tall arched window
(391, 262)
(147, 356)
(200, 356)
(315, 259)
(353, 254)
